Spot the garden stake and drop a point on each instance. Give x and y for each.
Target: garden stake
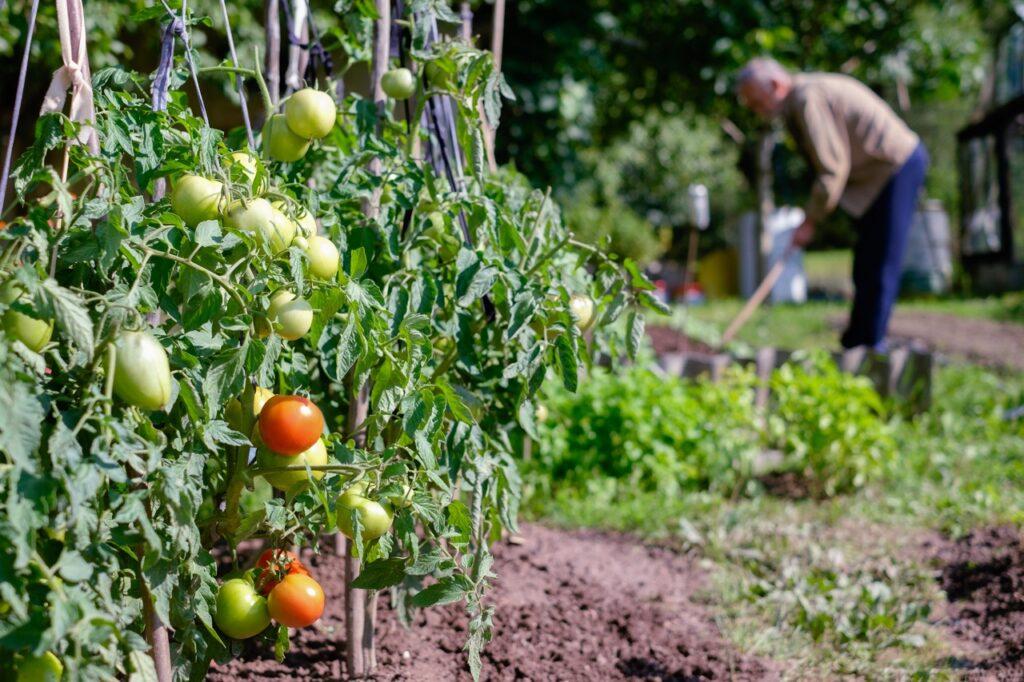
(19, 94)
(272, 65)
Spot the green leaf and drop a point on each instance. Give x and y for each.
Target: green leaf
(568, 363)
(379, 574)
(634, 333)
(226, 376)
(445, 591)
(357, 263)
(73, 321)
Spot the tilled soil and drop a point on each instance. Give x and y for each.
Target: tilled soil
(668, 340)
(983, 576)
(579, 605)
(985, 341)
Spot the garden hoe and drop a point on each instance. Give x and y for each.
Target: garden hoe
(755, 301)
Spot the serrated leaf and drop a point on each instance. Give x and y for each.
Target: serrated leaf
(72, 317)
(445, 591)
(380, 574)
(634, 333)
(568, 363)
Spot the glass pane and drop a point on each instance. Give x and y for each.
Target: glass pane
(1015, 152)
(981, 214)
(1010, 65)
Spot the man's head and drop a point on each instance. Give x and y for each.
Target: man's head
(763, 85)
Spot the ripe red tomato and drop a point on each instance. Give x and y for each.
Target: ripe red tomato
(290, 424)
(276, 564)
(297, 601)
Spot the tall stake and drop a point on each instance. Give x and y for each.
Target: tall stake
(272, 69)
(381, 57)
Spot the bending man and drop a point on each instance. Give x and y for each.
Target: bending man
(866, 161)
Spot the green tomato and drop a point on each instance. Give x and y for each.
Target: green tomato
(582, 308)
(374, 517)
(310, 113)
(324, 259)
(541, 412)
(247, 165)
(195, 199)
(280, 143)
(142, 374)
(241, 610)
(438, 77)
(32, 331)
(241, 419)
(284, 481)
(292, 317)
(398, 83)
(305, 223)
(259, 217)
(403, 499)
(45, 668)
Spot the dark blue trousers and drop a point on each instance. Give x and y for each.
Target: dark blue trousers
(878, 257)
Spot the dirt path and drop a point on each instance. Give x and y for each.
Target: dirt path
(984, 341)
(983, 576)
(579, 605)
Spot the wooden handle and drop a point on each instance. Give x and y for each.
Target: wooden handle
(755, 301)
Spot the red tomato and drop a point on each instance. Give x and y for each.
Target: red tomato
(276, 564)
(297, 601)
(290, 424)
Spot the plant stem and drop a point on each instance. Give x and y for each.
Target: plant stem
(268, 102)
(224, 283)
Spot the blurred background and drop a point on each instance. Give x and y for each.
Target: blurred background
(622, 106)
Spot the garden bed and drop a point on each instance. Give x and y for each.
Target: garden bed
(983, 576)
(571, 605)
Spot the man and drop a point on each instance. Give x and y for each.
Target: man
(866, 161)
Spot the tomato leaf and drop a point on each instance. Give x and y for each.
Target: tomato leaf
(379, 574)
(445, 591)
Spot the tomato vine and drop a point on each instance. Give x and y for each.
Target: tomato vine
(449, 307)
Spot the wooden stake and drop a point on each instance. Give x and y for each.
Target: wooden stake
(272, 68)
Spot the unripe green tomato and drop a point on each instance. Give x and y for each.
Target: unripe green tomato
(284, 481)
(195, 199)
(541, 413)
(310, 113)
(262, 326)
(305, 223)
(398, 83)
(45, 668)
(375, 517)
(31, 331)
(292, 317)
(258, 217)
(247, 164)
(280, 143)
(242, 420)
(324, 259)
(241, 611)
(403, 499)
(438, 77)
(582, 307)
(142, 374)
(386, 195)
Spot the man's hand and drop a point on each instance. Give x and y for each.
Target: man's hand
(804, 234)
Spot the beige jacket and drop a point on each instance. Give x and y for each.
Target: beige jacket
(851, 137)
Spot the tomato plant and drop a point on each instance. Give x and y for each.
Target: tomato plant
(418, 342)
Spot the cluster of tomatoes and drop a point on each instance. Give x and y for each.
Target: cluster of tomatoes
(278, 588)
(308, 114)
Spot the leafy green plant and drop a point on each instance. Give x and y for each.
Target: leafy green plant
(412, 353)
(648, 432)
(830, 425)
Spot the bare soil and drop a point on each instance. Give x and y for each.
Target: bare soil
(668, 340)
(570, 605)
(984, 341)
(983, 576)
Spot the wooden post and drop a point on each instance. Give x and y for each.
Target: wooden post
(156, 633)
(272, 68)
(360, 606)
(466, 14)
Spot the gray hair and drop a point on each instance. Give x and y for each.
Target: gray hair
(761, 71)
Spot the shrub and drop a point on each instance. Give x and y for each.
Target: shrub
(830, 425)
(649, 432)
